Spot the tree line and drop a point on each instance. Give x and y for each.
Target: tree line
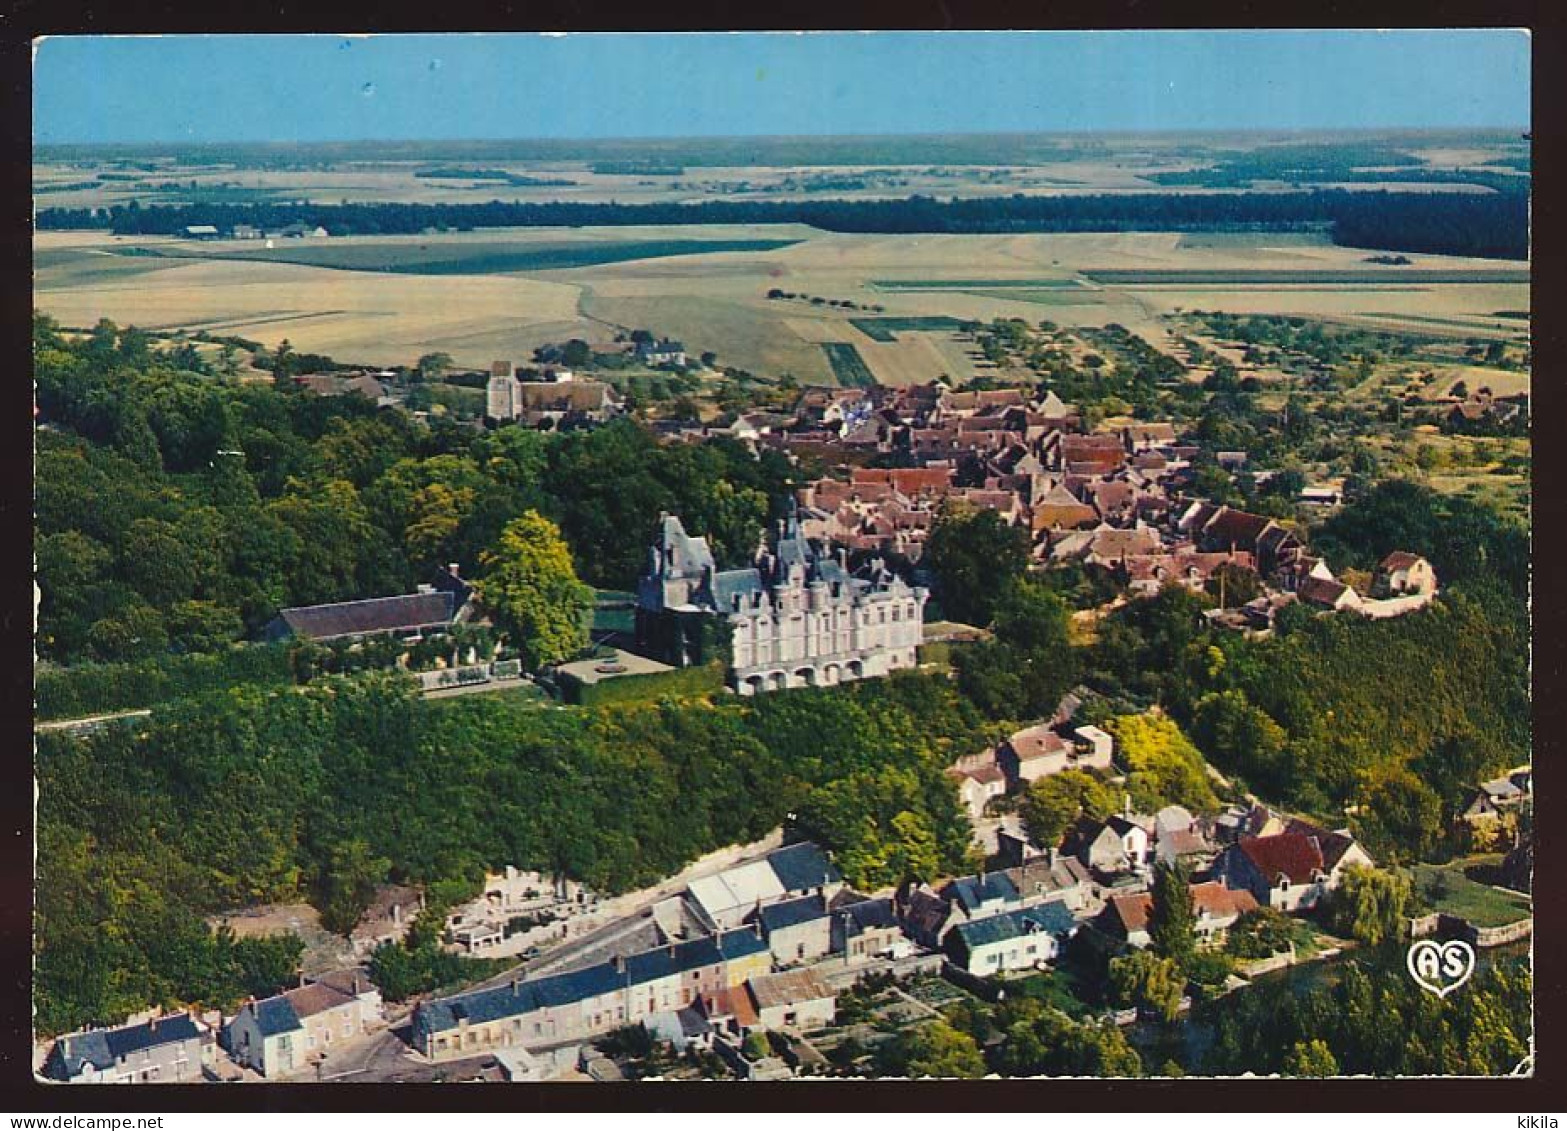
(1478, 224)
(177, 513)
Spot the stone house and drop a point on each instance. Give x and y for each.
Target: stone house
(291, 1031)
(1401, 575)
(1215, 908)
(584, 1003)
(175, 1049)
(796, 930)
(798, 999)
(865, 930)
(1286, 871)
(1025, 939)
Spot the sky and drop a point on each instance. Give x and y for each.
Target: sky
(297, 88)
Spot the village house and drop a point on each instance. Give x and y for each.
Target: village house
(292, 1031)
(926, 915)
(664, 351)
(867, 929)
(1025, 939)
(797, 999)
(726, 899)
(1403, 574)
(1121, 843)
(172, 1049)
(796, 930)
(363, 385)
(1496, 798)
(984, 895)
(1052, 877)
(1215, 908)
(585, 1003)
(1292, 870)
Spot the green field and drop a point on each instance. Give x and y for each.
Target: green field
(1201, 277)
(1052, 296)
(848, 366)
(440, 257)
(1481, 904)
(884, 329)
(969, 284)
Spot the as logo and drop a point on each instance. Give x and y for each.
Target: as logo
(1441, 967)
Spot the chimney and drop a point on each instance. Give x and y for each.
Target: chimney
(356, 985)
(302, 982)
(152, 1024)
(451, 568)
(397, 914)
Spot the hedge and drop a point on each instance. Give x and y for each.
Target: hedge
(93, 689)
(680, 683)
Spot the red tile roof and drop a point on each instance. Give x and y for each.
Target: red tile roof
(1290, 854)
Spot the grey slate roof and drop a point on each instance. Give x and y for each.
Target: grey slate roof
(276, 1015)
(791, 913)
(516, 998)
(1052, 918)
(973, 891)
(867, 914)
(803, 866)
(104, 1047)
(731, 583)
(379, 614)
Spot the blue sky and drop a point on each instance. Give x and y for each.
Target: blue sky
(440, 87)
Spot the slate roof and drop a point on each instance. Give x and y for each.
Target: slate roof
(803, 866)
(379, 614)
(867, 915)
(275, 1015)
(102, 1048)
(1051, 918)
(792, 913)
(974, 891)
(515, 998)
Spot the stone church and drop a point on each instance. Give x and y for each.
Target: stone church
(796, 618)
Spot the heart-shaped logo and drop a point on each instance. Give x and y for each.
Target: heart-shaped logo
(1441, 967)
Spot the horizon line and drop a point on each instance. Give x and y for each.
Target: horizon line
(1522, 128)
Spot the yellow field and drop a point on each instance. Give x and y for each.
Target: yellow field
(717, 301)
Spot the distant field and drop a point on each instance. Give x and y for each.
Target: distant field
(884, 329)
(848, 366)
(1048, 296)
(1199, 277)
(970, 284)
(717, 301)
(500, 258)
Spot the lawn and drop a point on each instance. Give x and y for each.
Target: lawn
(1452, 888)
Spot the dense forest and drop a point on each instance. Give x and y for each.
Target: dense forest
(177, 512)
(1493, 224)
(251, 795)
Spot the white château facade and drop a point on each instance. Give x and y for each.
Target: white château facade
(794, 619)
